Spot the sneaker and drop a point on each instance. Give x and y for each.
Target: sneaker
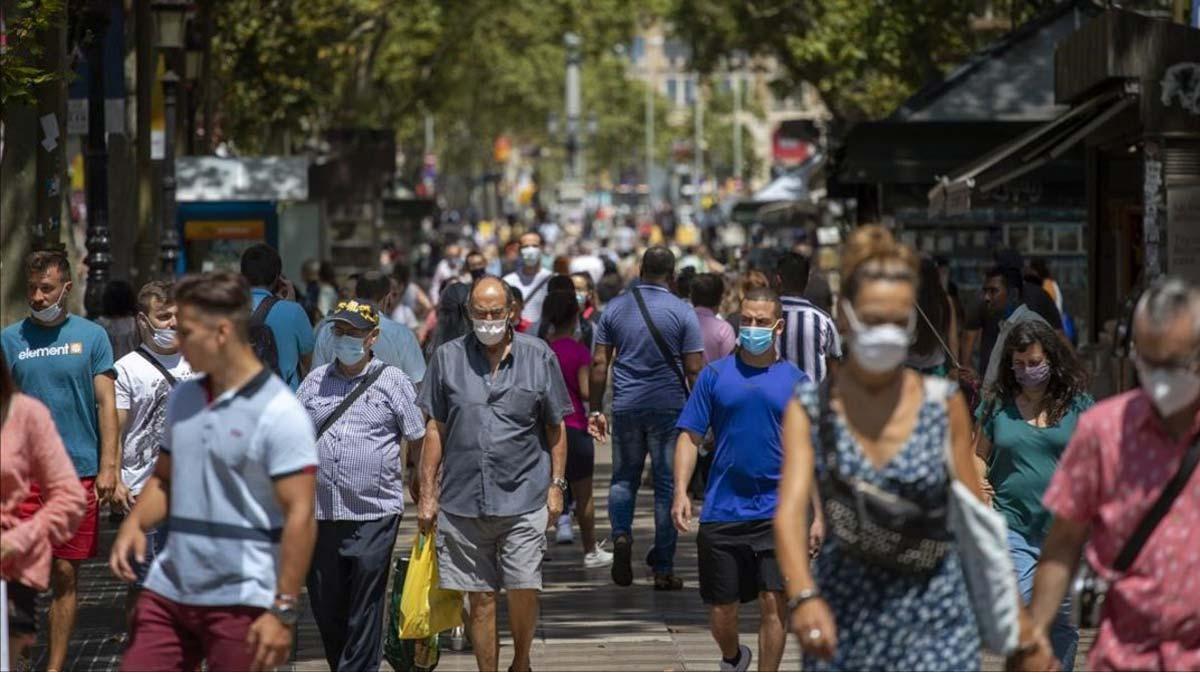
(597, 558)
(564, 535)
(622, 568)
(743, 661)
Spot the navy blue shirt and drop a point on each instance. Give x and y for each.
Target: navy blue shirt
(642, 378)
(743, 405)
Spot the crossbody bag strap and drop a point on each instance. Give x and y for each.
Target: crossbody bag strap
(349, 400)
(941, 341)
(658, 340)
(1162, 506)
(537, 287)
(171, 379)
(263, 309)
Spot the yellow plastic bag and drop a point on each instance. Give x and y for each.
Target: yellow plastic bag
(425, 609)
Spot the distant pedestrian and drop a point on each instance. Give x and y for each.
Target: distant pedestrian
(449, 270)
(810, 338)
(234, 483)
(320, 288)
(360, 483)
(719, 340)
(493, 467)
(118, 309)
(741, 399)
(1026, 421)
(654, 343)
(560, 314)
(413, 305)
(1105, 499)
(65, 361)
(937, 332)
(531, 278)
(263, 268)
(31, 453)
(887, 427)
(145, 378)
(396, 345)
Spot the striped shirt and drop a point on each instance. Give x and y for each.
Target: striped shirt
(809, 335)
(359, 467)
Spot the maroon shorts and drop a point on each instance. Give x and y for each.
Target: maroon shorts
(86, 540)
(165, 635)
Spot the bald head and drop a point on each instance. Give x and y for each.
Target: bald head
(490, 299)
(1166, 326)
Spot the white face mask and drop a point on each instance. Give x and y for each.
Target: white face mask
(164, 338)
(531, 256)
(51, 312)
(1171, 389)
(490, 332)
(878, 349)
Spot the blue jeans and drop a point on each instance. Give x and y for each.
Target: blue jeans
(1064, 636)
(637, 434)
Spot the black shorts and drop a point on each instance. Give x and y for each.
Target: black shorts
(22, 609)
(737, 561)
(581, 455)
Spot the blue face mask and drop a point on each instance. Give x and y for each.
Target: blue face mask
(349, 349)
(756, 340)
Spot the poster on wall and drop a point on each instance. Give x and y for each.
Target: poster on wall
(1183, 232)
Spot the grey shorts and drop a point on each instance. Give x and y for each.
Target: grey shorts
(490, 553)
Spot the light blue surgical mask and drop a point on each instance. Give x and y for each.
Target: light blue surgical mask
(756, 339)
(349, 349)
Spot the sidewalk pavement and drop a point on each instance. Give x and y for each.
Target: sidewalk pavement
(587, 623)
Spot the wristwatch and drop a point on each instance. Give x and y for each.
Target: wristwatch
(560, 483)
(286, 609)
(802, 597)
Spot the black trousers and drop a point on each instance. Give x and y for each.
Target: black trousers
(347, 586)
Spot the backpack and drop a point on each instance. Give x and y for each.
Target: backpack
(262, 338)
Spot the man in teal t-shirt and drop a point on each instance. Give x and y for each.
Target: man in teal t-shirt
(289, 323)
(66, 362)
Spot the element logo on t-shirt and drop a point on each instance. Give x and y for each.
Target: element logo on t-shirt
(65, 349)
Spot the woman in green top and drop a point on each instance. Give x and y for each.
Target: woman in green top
(1026, 420)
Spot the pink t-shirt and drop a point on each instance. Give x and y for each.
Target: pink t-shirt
(32, 452)
(572, 356)
(1117, 464)
(719, 339)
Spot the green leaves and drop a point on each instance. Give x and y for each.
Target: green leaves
(20, 64)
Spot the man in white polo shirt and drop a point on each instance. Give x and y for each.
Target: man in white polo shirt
(235, 482)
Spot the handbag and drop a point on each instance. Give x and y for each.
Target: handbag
(877, 527)
(982, 537)
(1089, 589)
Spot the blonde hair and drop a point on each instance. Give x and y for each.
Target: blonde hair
(871, 253)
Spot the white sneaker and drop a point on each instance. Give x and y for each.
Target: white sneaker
(564, 535)
(743, 663)
(597, 558)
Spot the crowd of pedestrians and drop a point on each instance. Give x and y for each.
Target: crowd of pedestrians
(260, 440)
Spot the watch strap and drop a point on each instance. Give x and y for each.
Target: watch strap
(802, 597)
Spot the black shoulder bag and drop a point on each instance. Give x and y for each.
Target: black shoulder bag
(171, 379)
(872, 524)
(349, 401)
(667, 354)
(1090, 590)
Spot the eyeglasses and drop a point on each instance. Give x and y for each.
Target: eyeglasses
(492, 314)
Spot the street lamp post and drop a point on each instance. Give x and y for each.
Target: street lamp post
(573, 105)
(736, 82)
(170, 22)
(697, 152)
(99, 251)
(170, 233)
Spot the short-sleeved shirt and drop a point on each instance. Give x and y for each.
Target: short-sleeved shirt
(1116, 466)
(743, 405)
(642, 378)
(495, 457)
(1023, 459)
(225, 523)
(396, 346)
(360, 473)
(533, 291)
(56, 365)
(809, 336)
(142, 391)
(572, 356)
(988, 322)
(293, 334)
(719, 339)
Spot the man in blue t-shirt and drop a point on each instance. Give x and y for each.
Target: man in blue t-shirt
(66, 362)
(294, 340)
(648, 392)
(741, 398)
